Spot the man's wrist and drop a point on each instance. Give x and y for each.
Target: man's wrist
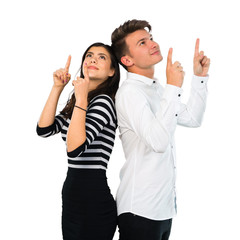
(173, 92)
(199, 82)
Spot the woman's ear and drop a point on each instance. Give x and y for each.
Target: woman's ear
(111, 72)
(127, 61)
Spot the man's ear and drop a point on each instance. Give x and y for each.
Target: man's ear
(127, 61)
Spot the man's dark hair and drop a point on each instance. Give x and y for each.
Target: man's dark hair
(119, 35)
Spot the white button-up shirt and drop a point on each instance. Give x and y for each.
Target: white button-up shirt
(147, 118)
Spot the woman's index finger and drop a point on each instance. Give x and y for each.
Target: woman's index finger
(68, 63)
(86, 76)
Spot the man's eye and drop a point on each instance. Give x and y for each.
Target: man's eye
(142, 43)
(102, 57)
(89, 55)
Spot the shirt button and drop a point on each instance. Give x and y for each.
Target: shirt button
(179, 95)
(202, 81)
(176, 115)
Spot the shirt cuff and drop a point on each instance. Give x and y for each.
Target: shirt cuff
(199, 82)
(45, 130)
(172, 93)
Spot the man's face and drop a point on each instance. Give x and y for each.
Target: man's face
(143, 51)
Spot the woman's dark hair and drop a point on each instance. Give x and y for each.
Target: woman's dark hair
(108, 87)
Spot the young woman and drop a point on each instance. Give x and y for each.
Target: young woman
(87, 124)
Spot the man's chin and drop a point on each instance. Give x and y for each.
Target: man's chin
(160, 58)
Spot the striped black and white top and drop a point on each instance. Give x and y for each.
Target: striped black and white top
(101, 124)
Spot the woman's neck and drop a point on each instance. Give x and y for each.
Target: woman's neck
(93, 84)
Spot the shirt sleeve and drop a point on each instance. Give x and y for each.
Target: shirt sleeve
(101, 112)
(155, 130)
(52, 129)
(191, 114)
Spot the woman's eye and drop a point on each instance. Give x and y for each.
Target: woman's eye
(102, 57)
(89, 55)
(142, 43)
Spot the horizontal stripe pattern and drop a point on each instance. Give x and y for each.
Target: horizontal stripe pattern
(101, 124)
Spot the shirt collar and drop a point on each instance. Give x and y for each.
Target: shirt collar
(141, 78)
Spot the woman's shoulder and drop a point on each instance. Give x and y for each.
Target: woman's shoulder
(102, 105)
(101, 99)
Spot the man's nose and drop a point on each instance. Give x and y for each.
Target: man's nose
(153, 45)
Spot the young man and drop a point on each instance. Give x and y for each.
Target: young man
(147, 118)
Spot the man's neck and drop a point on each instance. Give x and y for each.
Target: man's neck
(144, 72)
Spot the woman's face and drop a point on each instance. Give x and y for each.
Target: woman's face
(98, 62)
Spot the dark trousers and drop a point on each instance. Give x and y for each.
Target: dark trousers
(134, 227)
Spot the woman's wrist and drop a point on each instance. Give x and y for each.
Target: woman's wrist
(82, 103)
(56, 91)
(57, 88)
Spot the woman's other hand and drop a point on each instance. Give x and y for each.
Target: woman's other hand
(61, 77)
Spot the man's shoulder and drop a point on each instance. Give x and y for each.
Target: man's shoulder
(129, 88)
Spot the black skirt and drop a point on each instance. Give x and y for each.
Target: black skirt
(89, 211)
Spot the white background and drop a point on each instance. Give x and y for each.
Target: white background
(36, 39)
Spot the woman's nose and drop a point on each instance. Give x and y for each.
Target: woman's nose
(93, 60)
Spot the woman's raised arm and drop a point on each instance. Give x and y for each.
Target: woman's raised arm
(61, 77)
